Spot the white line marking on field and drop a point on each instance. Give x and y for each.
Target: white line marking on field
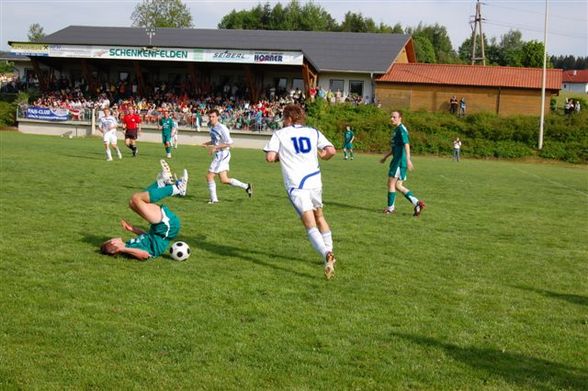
(552, 182)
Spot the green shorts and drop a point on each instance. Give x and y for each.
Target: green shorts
(166, 138)
(348, 146)
(397, 171)
(156, 241)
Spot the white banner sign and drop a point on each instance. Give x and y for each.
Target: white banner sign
(163, 54)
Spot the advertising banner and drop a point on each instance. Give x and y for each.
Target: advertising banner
(47, 114)
(162, 54)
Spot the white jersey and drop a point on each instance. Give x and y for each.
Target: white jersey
(297, 147)
(106, 123)
(219, 134)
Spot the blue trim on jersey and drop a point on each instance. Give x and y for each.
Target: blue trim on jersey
(306, 177)
(299, 212)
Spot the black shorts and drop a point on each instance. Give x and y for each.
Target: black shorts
(131, 133)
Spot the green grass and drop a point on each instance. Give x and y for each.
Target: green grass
(487, 289)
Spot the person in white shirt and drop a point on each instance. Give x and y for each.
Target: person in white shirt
(219, 146)
(107, 126)
(297, 148)
(456, 149)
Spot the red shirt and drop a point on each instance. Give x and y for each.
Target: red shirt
(132, 121)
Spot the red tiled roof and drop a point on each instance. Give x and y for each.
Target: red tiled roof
(472, 75)
(579, 76)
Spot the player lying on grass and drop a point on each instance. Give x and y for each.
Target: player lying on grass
(164, 224)
(297, 148)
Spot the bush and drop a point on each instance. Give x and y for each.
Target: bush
(7, 114)
(484, 135)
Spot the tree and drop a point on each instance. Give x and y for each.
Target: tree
(162, 13)
(356, 23)
(439, 38)
(425, 52)
(35, 32)
(532, 55)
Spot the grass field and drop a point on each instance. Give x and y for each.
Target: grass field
(488, 289)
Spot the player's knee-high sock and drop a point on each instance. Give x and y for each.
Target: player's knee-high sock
(108, 154)
(391, 198)
(118, 152)
(411, 198)
(316, 239)
(237, 183)
(158, 193)
(328, 240)
(168, 150)
(212, 190)
(351, 153)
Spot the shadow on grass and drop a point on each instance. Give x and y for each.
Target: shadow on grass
(569, 297)
(515, 368)
(246, 255)
(335, 204)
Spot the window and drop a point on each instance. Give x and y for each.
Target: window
(336, 84)
(123, 76)
(356, 87)
(298, 83)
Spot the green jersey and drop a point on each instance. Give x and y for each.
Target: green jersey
(348, 136)
(156, 241)
(167, 124)
(399, 139)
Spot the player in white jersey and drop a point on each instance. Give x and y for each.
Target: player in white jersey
(107, 127)
(174, 135)
(297, 148)
(219, 146)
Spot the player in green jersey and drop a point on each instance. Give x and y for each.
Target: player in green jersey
(166, 124)
(401, 162)
(348, 138)
(164, 224)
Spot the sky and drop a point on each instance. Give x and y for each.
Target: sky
(567, 25)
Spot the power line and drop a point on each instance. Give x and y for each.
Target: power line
(537, 13)
(536, 30)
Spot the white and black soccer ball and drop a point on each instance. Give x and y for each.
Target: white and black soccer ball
(180, 251)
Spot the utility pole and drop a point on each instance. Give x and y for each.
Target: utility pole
(543, 81)
(477, 26)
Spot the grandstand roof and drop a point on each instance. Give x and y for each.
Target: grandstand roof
(473, 75)
(326, 51)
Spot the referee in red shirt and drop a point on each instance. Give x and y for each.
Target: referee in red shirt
(132, 126)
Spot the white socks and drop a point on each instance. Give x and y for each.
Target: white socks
(328, 240)
(317, 241)
(238, 183)
(212, 190)
(108, 154)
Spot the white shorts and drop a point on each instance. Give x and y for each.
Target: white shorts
(220, 162)
(109, 137)
(306, 199)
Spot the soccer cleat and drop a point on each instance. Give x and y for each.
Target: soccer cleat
(330, 265)
(182, 184)
(165, 176)
(212, 202)
(108, 159)
(168, 156)
(249, 190)
(135, 151)
(418, 208)
(389, 211)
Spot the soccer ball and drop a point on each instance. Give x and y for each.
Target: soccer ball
(180, 251)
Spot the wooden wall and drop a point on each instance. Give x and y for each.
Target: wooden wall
(503, 101)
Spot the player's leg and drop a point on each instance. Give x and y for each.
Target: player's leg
(107, 149)
(211, 187)
(323, 228)
(391, 194)
(141, 203)
(418, 204)
(351, 153)
(345, 153)
(225, 180)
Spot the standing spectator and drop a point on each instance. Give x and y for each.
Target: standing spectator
(456, 149)
(297, 148)
(166, 125)
(107, 127)
(312, 92)
(462, 107)
(453, 104)
(348, 138)
(400, 149)
(220, 145)
(132, 127)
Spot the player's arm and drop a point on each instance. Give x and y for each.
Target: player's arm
(131, 228)
(327, 152)
(272, 157)
(407, 152)
(139, 254)
(386, 156)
